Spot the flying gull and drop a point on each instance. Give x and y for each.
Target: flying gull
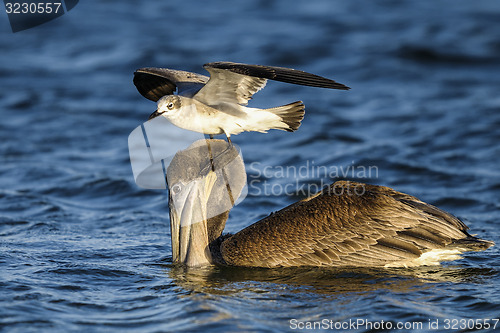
(217, 105)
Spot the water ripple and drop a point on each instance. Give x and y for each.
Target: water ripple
(82, 248)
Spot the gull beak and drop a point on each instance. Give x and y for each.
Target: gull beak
(154, 115)
(188, 222)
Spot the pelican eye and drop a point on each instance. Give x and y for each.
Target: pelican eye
(176, 189)
(170, 106)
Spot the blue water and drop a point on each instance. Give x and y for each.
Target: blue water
(83, 248)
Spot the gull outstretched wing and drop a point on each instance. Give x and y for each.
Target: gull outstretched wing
(236, 83)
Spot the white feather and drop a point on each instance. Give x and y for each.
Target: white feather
(430, 258)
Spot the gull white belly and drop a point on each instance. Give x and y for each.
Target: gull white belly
(228, 118)
(190, 117)
(198, 117)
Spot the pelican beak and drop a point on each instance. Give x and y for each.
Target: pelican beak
(154, 114)
(188, 221)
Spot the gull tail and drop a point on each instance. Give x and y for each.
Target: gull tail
(286, 118)
(290, 115)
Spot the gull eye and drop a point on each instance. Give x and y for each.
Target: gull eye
(170, 106)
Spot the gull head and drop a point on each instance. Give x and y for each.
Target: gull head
(167, 106)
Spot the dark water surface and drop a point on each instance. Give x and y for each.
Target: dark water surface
(83, 248)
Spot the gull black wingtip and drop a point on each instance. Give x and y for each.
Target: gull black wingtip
(152, 83)
(155, 82)
(282, 74)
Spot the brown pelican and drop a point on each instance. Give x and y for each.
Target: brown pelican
(217, 105)
(345, 224)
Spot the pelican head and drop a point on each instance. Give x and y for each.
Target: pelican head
(204, 181)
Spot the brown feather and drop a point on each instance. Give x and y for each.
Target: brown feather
(344, 226)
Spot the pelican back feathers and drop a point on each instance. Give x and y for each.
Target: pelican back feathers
(349, 224)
